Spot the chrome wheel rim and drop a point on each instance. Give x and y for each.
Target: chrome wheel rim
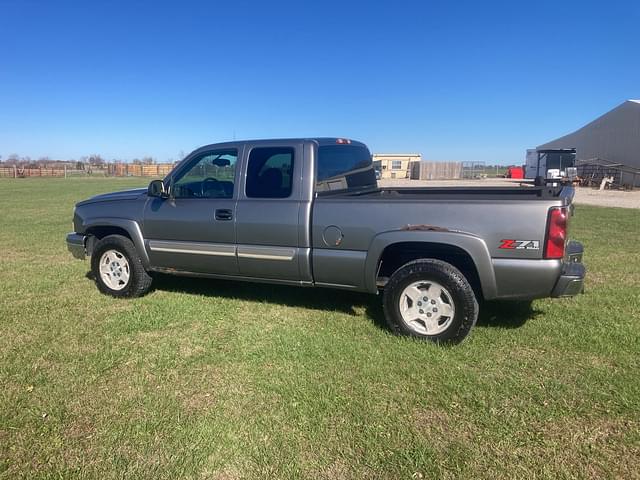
(426, 307)
(114, 270)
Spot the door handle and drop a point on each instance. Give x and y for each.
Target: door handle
(224, 214)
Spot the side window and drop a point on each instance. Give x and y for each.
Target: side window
(211, 175)
(270, 172)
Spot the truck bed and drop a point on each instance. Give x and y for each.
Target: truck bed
(457, 193)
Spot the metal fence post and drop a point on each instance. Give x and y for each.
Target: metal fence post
(15, 171)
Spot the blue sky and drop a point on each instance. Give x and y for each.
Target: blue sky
(452, 80)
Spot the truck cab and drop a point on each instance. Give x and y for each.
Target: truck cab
(244, 209)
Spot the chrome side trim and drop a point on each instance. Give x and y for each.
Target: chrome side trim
(266, 253)
(338, 285)
(194, 248)
(224, 250)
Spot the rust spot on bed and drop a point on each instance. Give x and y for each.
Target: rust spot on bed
(425, 228)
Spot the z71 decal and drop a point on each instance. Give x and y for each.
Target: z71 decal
(520, 244)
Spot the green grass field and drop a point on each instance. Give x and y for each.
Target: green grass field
(221, 380)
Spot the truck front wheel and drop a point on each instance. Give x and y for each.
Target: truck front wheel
(118, 269)
(432, 300)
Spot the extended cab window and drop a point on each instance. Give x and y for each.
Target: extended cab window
(270, 172)
(210, 175)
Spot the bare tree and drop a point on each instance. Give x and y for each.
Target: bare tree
(96, 160)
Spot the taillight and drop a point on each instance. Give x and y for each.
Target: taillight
(556, 233)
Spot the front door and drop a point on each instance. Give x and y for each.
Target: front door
(194, 229)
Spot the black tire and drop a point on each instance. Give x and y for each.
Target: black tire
(462, 296)
(139, 281)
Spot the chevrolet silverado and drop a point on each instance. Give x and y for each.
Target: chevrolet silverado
(308, 212)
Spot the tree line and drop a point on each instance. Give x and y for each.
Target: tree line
(92, 161)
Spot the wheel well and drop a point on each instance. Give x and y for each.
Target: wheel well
(99, 232)
(395, 256)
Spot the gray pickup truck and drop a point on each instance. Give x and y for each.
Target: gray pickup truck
(308, 212)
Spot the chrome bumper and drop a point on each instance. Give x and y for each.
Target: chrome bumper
(571, 281)
(76, 245)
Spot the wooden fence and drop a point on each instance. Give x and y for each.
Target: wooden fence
(131, 170)
(110, 170)
(435, 170)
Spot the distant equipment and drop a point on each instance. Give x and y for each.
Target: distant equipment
(592, 171)
(515, 172)
(550, 164)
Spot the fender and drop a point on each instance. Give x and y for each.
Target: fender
(130, 226)
(473, 245)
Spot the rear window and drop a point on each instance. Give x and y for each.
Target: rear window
(344, 166)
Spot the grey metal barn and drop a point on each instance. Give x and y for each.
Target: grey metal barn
(611, 140)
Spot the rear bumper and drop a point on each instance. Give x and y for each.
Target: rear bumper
(571, 281)
(526, 279)
(76, 245)
(574, 252)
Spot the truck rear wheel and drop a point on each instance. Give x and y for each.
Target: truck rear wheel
(432, 300)
(118, 269)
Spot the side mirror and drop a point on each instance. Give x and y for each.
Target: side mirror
(157, 189)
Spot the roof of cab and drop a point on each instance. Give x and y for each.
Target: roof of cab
(321, 141)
